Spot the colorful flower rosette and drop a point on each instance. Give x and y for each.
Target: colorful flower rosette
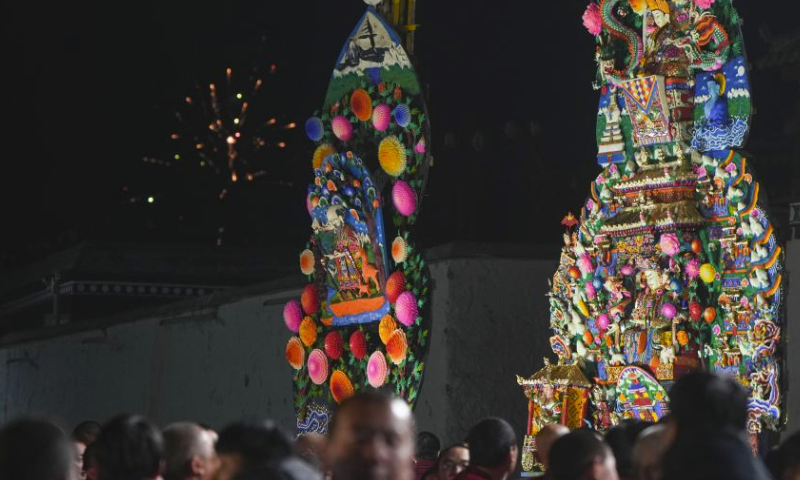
(377, 370)
(341, 386)
(295, 355)
(317, 367)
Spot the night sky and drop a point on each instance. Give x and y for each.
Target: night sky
(89, 87)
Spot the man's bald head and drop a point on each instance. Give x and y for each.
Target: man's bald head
(545, 439)
(189, 451)
(649, 450)
(582, 455)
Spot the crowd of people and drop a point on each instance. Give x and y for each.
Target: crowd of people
(372, 437)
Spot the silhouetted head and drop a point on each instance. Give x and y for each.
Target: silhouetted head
(648, 452)
(784, 461)
(428, 446)
(621, 440)
(35, 450)
(545, 439)
(188, 452)
(246, 446)
(707, 402)
(85, 434)
(582, 455)
(493, 447)
(129, 446)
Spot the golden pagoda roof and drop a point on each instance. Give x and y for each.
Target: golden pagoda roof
(658, 176)
(570, 375)
(659, 216)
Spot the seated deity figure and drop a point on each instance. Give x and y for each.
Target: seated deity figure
(667, 33)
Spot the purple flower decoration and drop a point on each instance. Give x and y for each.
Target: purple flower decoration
(626, 270)
(668, 311)
(693, 268)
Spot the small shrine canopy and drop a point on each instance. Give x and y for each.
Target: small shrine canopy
(568, 375)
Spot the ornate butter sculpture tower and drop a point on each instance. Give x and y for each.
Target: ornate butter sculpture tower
(673, 265)
(362, 320)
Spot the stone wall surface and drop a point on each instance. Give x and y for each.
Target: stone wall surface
(213, 367)
(493, 325)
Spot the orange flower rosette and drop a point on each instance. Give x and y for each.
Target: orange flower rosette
(397, 347)
(341, 387)
(308, 331)
(361, 104)
(386, 328)
(295, 354)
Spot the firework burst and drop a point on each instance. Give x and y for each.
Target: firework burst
(224, 131)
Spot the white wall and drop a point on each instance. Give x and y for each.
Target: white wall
(214, 368)
(490, 322)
